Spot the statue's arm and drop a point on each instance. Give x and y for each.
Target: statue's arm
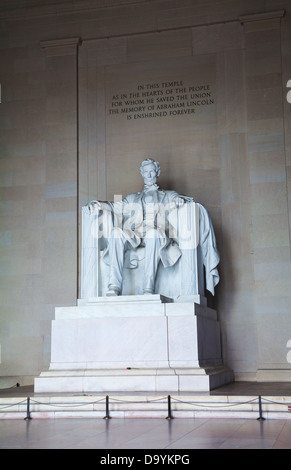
(116, 207)
(179, 200)
(95, 207)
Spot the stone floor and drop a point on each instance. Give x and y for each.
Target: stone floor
(152, 433)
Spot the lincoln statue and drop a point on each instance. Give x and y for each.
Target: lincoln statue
(144, 219)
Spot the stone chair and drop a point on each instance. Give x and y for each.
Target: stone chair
(186, 278)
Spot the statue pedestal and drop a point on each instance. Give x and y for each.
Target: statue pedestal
(135, 343)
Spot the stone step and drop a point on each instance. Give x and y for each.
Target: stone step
(138, 405)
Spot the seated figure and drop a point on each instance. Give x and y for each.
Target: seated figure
(159, 221)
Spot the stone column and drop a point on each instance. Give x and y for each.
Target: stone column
(61, 172)
(268, 191)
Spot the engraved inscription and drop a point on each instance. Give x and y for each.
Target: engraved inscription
(161, 99)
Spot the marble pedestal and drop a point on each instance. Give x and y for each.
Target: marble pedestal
(135, 343)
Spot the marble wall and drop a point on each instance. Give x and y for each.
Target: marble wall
(67, 136)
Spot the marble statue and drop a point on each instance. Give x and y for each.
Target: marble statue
(146, 261)
(149, 219)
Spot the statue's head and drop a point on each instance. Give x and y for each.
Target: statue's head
(150, 171)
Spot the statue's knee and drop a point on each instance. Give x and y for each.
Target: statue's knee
(150, 234)
(117, 233)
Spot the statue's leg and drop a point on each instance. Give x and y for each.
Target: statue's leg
(152, 244)
(116, 250)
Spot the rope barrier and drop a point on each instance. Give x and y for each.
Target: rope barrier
(276, 402)
(107, 416)
(214, 406)
(168, 398)
(67, 404)
(260, 418)
(169, 408)
(136, 402)
(28, 409)
(13, 404)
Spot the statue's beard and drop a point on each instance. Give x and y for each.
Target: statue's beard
(150, 187)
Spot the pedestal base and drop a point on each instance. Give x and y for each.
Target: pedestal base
(134, 343)
(132, 380)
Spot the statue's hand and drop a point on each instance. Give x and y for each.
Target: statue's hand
(94, 207)
(180, 202)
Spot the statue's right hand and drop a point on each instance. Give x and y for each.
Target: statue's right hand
(94, 207)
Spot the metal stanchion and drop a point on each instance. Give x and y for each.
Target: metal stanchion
(169, 408)
(28, 409)
(107, 408)
(260, 418)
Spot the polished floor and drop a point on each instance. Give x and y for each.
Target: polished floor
(152, 433)
(166, 435)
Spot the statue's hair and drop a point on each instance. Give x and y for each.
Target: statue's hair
(148, 161)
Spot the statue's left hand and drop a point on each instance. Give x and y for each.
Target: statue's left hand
(180, 202)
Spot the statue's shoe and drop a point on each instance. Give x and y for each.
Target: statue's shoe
(113, 291)
(148, 291)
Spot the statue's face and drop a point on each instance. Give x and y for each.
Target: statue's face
(149, 174)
